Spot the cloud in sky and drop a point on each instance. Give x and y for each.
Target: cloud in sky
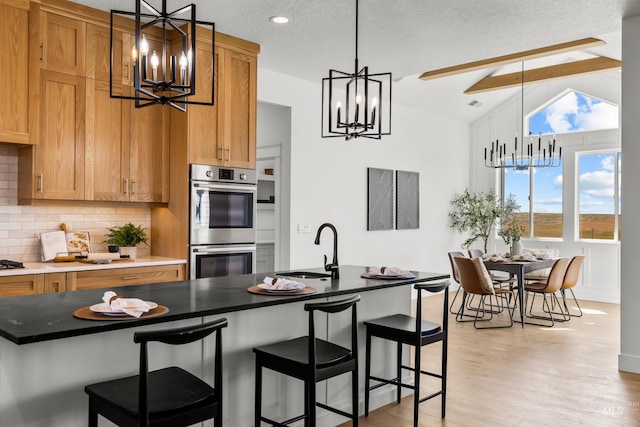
(597, 184)
(575, 112)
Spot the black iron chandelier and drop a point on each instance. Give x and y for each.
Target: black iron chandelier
(163, 56)
(356, 104)
(537, 155)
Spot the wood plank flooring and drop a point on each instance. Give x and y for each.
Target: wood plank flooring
(561, 376)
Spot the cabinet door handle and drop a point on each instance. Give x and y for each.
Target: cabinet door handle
(126, 186)
(134, 187)
(126, 70)
(131, 277)
(221, 154)
(228, 154)
(42, 52)
(40, 183)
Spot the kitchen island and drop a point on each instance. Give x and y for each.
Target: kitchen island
(47, 355)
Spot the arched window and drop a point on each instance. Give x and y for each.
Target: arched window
(573, 111)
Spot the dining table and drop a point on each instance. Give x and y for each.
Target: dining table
(518, 269)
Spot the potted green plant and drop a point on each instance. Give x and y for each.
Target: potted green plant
(477, 213)
(127, 237)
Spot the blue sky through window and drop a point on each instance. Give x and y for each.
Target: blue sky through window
(572, 112)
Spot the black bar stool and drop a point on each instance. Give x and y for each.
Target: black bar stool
(165, 397)
(312, 360)
(402, 329)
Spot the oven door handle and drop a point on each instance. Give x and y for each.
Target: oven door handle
(224, 250)
(226, 187)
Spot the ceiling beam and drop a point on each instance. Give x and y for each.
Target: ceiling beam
(585, 66)
(512, 58)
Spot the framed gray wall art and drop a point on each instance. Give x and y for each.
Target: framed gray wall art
(379, 199)
(407, 200)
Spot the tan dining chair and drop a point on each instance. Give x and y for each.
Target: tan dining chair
(570, 281)
(455, 275)
(548, 289)
(499, 279)
(476, 281)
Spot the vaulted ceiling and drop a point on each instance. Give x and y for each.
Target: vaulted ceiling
(409, 37)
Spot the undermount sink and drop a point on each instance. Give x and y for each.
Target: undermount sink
(304, 274)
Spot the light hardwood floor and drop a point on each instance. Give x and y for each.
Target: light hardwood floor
(561, 376)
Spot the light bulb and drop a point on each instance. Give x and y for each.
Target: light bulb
(155, 61)
(183, 61)
(134, 54)
(144, 46)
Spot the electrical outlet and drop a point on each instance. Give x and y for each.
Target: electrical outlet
(304, 228)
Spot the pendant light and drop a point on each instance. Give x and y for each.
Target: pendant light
(356, 104)
(163, 55)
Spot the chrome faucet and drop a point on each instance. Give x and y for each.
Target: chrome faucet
(333, 267)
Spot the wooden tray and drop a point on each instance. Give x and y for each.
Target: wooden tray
(86, 313)
(304, 291)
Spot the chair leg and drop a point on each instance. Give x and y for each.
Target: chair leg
(354, 397)
(310, 402)
(258, 396)
(399, 372)
(416, 384)
(451, 310)
(367, 374)
(443, 377)
(577, 305)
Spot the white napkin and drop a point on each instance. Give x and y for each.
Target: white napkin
(493, 257)
(524, 257)
(388, 271)
(282, 284)
(131, 306)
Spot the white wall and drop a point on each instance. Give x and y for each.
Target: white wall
(600, 278)
(629, 358)
(329, 181)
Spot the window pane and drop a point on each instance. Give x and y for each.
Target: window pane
(574, 112)
(619, 195)
(516, 182)
(547, 201)
(597, 196)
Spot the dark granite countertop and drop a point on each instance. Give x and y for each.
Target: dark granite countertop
(35, 318)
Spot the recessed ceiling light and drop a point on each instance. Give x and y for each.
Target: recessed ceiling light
(279, 19)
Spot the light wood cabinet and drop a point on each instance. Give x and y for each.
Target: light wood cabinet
(237, 140)
(14, 69)
(94, 279)
(27, 284)
(224, 134)
(54, 169)
(54, 282)
(61, 44)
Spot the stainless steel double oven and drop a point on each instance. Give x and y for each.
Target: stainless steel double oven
(222, 225)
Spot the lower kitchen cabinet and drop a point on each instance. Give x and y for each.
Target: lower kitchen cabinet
(27, 284)
(95, 279)
(264, 258)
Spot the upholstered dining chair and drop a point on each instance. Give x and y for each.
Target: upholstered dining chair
(455, 275)
(499, 279)
(476, 281)
(570, 281)
(548, 289)
(164, 397)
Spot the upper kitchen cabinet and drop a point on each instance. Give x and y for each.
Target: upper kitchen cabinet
(223, 134)
(54, 169)
(126, 147)
(61, 44)
(238, 133)
(14, 69)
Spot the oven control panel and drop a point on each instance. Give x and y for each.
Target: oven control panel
(221, 174)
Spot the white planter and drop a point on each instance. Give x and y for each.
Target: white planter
(132, 251)
(516, 247)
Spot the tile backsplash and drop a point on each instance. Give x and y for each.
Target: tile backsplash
(21, 225)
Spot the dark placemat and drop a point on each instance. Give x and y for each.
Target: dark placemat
(306, 290)
(86, 313)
